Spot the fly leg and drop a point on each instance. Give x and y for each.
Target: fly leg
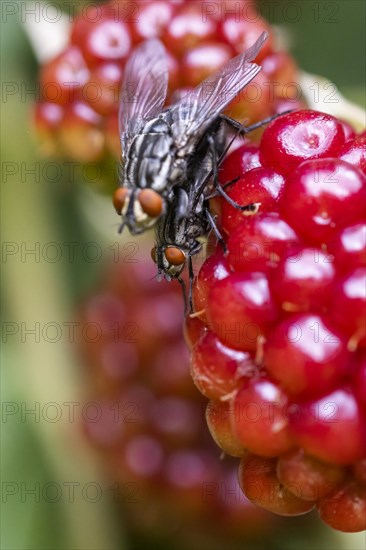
(214, 227)
(243, 130)
(121, 227)
(184, 292)
(180, 208)
(191, 278)
(129, 215)
(225, 186)
(250, 208)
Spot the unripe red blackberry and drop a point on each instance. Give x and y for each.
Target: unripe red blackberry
(290, 293)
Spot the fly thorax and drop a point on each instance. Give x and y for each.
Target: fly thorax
(151, 161)
(150, 156)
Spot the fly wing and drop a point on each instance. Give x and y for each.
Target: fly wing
(144, 89)
(199, 108)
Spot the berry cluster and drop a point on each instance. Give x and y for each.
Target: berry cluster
(279, 330)
(150, 430)
(78, 112)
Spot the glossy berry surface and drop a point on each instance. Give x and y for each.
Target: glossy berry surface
(220, 376)
(354, 152)
(333, 192)
(259, 243)
(238, 309)
(296, 137)
(320, 424)
(244, 157)
(289, 290)
(261, 185)
(214, 269)
(349, 305)
(305, 279)
(305, 355)
(349, 247)
(259, 420)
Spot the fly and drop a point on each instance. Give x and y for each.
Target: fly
(160, 147)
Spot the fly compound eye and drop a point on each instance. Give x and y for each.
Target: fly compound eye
(175, 256)
(154, 256)
(151, 203)
(119, 198)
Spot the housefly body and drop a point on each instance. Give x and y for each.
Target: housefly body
(161, 149)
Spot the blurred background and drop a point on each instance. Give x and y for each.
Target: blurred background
(60, 486)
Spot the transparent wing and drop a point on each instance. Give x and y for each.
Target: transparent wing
(198, 109)
(144, 88)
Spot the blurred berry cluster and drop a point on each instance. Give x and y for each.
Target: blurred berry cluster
(78, 114)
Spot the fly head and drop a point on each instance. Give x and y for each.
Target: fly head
(140, 208)
(170, 260)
